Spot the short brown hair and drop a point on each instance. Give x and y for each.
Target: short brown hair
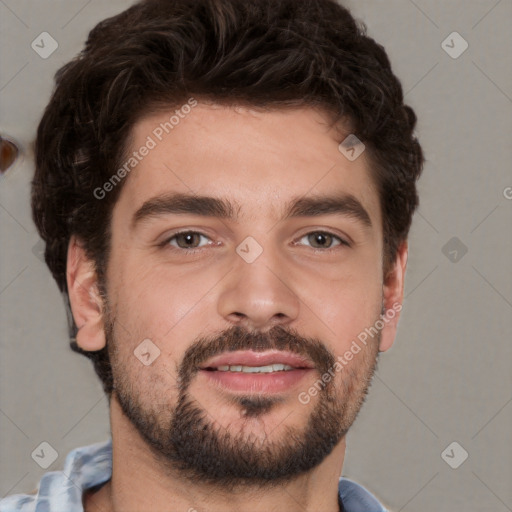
(269, 53)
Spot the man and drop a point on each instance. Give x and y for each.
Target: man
(225, 189)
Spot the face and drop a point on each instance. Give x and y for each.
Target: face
(246, 257)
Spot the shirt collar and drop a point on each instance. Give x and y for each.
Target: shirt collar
(91, 466)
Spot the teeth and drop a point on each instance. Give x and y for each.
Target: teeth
(255, 369)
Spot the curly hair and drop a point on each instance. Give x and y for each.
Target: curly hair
(272, 54)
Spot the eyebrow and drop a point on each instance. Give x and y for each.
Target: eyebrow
(207, 206)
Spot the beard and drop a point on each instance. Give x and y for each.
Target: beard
(185, 439)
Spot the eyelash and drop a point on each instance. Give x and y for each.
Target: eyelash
(165, 244)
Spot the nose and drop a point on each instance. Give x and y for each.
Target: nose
(259, 295)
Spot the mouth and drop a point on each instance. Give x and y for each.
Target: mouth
(257, 372)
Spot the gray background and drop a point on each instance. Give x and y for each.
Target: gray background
(448, 376)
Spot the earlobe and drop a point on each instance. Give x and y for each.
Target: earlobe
(393, 294)
(84, 297)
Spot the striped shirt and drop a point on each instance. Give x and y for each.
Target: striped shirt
(90, 466)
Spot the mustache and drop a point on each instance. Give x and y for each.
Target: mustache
(237, 338)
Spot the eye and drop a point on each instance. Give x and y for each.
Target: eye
(324, 240)
(185, 240)
(191, 240)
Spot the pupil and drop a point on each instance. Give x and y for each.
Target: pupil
(321, 239)
(188, 238)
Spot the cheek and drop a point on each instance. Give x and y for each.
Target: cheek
(150, 311)
(143, 325)
(163, 299)
(345, 305)
(165, 305)
(153, 387)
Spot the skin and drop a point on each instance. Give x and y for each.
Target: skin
(261, 160)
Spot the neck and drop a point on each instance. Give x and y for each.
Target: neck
(140, 482)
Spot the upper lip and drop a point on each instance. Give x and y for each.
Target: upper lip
(251, 358)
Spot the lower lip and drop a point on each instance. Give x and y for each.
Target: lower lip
(276, 382)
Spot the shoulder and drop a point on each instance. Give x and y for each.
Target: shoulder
(357, 499)
(84, 467)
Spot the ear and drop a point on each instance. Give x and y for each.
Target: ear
(393, 294)
(84, 297)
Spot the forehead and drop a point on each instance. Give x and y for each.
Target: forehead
(260, 159)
